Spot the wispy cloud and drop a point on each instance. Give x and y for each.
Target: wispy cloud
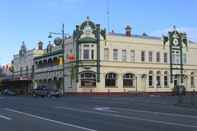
(191, 32)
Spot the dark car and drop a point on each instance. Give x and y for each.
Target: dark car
(8, 92)
(43, 91)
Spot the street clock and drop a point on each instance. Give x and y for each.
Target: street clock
(175, 42)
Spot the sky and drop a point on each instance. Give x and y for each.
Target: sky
(31, 20)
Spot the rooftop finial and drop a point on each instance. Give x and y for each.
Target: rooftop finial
(88, 18)
(174, 27)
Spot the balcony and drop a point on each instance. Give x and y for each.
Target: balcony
(49, 69)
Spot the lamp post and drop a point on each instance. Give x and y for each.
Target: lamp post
(63, 46)
(136, 85)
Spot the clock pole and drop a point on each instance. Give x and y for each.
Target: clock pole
(176, 41)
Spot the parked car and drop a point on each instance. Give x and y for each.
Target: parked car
(43, 91)
(8, 92)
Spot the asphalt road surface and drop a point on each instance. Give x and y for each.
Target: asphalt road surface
(95, 114)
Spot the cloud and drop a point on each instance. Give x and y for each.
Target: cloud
(191, 32)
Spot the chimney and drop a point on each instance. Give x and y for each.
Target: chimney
(128, 30)
(40, 45)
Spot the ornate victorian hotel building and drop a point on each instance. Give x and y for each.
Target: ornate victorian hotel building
(99, 63)
(116, 63)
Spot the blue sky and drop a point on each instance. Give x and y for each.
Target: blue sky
(31, 20)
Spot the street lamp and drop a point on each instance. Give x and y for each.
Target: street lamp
(63, 46)
(136, 85)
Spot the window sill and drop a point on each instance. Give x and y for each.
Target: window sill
(111, 87)
(128, 86)
(87, 86)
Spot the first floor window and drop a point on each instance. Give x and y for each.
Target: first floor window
(124, 55)
(115, 54)
(132, 55)
(158, 56)
(106, 54)
(92, 54)
(143, 56)
(150, 56)
(165, 58)
(86, 54)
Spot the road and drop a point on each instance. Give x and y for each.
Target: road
(73, 113)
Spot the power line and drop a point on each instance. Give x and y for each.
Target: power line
(108, 15)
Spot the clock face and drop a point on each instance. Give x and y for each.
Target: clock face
(175, 42)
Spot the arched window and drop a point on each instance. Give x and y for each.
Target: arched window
(165, 79)
(128, 80)
(150, 79)
(192, 80)
(158, 79)
(88, 79)
(110, 80)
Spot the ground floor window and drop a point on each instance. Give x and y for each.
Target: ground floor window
(110, 80)
(166, 79)
(150, 79)
(158, 78)
(88, 79)
(192, 80)
(128, 80)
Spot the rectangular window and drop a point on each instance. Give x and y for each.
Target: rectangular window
(86, 54)
(175, 57)
(143, 56)
(158, 56)
(165, 55)
(184, 58)
(124, 55)
(150, 83)
(165, 81)
(92, 54)
(150, 56)
(115, 54)
(132, 55)
(192, 81)
(106, 54)
(158, 81)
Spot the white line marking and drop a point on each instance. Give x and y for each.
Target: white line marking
(158, 113)
(50, 120)
(104, 109)
(130, 117)
(5, 117)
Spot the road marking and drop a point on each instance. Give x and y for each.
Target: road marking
(158, 113)
(129, 117)
(104, 109)
(5, 117)
(50, 120)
